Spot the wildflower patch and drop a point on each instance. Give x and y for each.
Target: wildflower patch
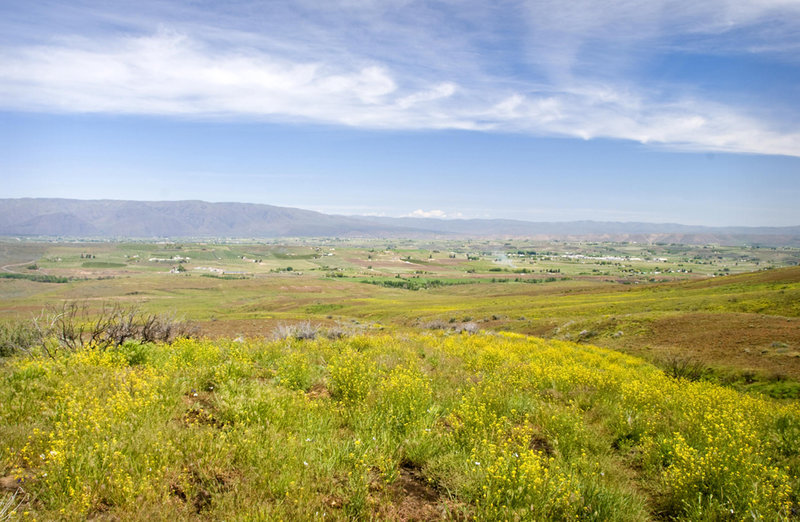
(402, 425)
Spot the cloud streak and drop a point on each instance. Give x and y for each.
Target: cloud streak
(173, 71)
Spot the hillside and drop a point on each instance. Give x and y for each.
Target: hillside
(335, 380)
(199, 219)
(399, 426)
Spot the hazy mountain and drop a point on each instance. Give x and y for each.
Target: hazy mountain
(142, 219)
(605, 231)
(196, 219)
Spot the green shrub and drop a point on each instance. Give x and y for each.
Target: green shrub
(18, 336)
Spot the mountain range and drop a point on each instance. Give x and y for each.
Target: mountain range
(72, 218)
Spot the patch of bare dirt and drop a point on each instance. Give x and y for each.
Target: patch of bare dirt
(197, 489)
(319, 391)
(540, 443)
(12, 482)
(232, 328)
(102, 511)
(412, 497)
(248, 328)
(200, 410)
(334, 502)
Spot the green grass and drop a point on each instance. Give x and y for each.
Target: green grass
(322, 308)
(102, 264)
(226, 277)
(39, 278)
(399, 425)
(414, 282)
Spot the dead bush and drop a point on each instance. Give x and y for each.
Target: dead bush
(468, 327)
(74, 325)
(436, 324)
(299, 331)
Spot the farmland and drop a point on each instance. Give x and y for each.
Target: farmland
(408, 380)
(727, 308)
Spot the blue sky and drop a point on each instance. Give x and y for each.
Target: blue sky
(659, 111)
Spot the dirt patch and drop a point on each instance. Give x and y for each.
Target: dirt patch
(200, 498)
(232, 328)
(333, 502)
(250, 328)
(412, 497)
(539, 443)
(198, 489)
(101, 511)
(530, 435)
(200, 410)
(319, 391)
(12, 482)
(201, 417)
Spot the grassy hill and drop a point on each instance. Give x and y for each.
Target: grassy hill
(413, 388)
(400, 426)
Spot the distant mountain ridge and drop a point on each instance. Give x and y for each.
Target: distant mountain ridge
(142, 219)
(199, 219)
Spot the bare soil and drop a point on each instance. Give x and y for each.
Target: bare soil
(412, 497)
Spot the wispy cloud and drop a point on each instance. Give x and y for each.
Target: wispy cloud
(374, 65)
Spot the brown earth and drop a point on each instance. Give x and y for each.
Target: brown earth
(11, 482)
(231, 328)
(251, 328)
(412, 497)
(770, 344)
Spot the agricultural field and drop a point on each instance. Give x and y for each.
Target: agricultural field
(728, 312)
(404, 380)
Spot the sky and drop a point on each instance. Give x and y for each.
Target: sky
(544, 110)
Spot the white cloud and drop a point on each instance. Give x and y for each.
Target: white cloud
(419, 213)
(407, 65)
(169, 73)
(687, 123)
(436, 213)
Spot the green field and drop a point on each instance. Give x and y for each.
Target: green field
(404, 380)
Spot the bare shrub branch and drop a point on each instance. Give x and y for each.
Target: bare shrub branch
(73, 326)
(299, 331)
(468, 327)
